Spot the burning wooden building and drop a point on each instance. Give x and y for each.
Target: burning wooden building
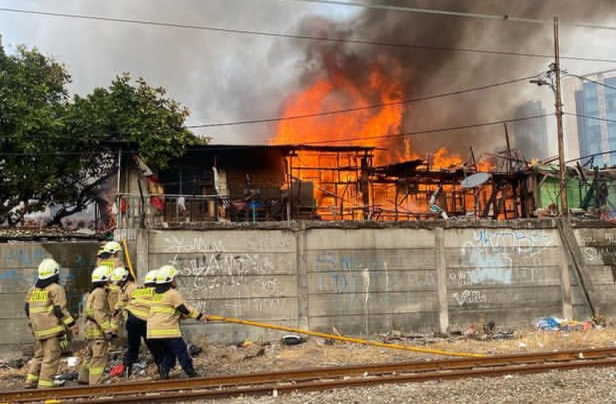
(310, 182)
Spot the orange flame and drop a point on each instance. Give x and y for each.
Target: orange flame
(363, 126)
(378, 127)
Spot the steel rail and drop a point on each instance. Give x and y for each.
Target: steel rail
(267, 382)
(356, 382)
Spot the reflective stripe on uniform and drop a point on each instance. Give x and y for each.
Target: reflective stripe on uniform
(68, 319)
(165, 310)
(31, 378)
(143, 315)
(45, 383)
(164, 332)
(48, 332)
(97, 370)
(44, 309)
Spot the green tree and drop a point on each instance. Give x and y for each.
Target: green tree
(60, 151)
(33, 100)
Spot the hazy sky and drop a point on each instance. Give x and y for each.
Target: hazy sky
(220, 77)
(223, 76)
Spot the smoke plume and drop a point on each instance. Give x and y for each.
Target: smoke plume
(424, 72)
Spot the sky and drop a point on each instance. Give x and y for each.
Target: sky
(220, 77)
(223, 77)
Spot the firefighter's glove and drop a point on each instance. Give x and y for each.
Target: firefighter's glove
(64, 343)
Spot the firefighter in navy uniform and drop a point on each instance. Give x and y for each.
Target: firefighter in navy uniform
(98, 328)
(49, 318)
(163, 325)
(135, 302)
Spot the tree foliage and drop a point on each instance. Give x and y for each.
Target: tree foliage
(55, 150)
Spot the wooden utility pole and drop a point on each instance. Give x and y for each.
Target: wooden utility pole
(559, 124)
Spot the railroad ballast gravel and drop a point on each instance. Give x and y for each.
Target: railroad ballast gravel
(591, 386)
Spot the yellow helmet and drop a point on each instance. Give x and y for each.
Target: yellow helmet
(112, 247)
(150, 277)
(166, 274)
(119, 274)
(100, 274)
(48, 268)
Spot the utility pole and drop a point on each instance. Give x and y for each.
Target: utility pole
(559, 124)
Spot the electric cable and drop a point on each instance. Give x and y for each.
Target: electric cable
(299, 36)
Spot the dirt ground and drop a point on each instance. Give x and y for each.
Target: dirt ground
(251, 357)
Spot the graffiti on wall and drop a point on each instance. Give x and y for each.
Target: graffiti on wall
(205, 267)
(600, 249)
(358, 279)
(23, 260)
(490, 256)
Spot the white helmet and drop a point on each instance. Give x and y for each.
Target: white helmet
(100, 274)
(119, 274)
(150, 277)
(166, 274)
(112, 247)
(48, 268)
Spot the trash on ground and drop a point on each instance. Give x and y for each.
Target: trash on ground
(292, 339)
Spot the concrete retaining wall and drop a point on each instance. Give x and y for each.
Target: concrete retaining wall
(368, 280)
(362, 279)
(18, 266)
(598, 252)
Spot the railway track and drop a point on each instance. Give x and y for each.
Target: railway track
(316, 379)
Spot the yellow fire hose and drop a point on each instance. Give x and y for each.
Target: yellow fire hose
(127, 255)
(342, 338)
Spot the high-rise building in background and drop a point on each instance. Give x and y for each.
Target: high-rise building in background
(590, 105)
(531, 136)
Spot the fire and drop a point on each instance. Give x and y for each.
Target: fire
(378, 127)
(365, 127)
(443, 159)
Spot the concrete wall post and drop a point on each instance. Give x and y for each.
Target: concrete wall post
(441, 277)
(303, 293)
(143, 250)
(565, 283)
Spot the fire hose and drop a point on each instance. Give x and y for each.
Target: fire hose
(342, 338)
(128, 261)
(320, 334)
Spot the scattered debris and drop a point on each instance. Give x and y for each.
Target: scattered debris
(194, 350)
(16, 363)
(244, 344)
(116, 370)
(559, 324)
(292, 339)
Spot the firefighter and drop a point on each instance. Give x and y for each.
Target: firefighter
(49, 318)
(98, 328)
(163, 325)
(136, 305)
(110, 256)
(126, 285)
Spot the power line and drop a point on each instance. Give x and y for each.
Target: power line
(397, 135)
(428, 131)
(372, 106)
(299, 36)
(496, 17)
(592, 81)
(596, 118)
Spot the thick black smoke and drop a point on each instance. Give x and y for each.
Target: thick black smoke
(424, 72)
